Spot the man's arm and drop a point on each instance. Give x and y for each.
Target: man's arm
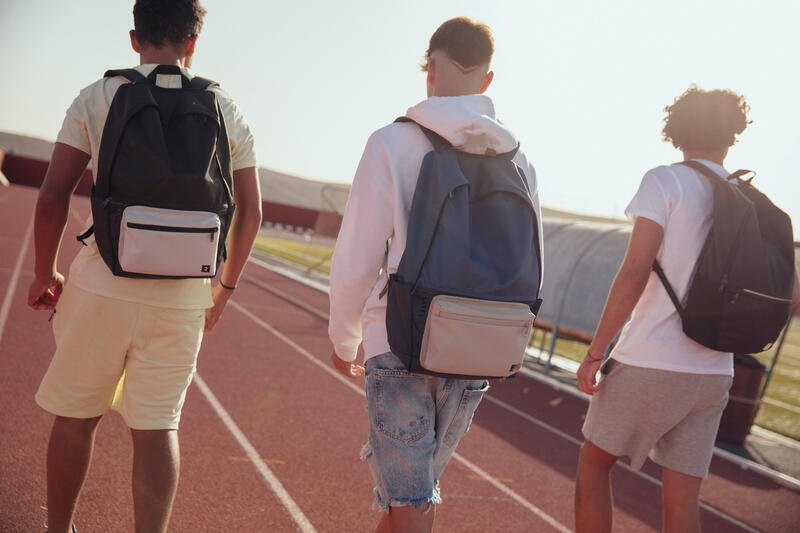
(52, 209)
(628, 286)
(242, 235)
(366, 226)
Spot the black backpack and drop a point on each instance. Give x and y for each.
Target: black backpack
(163, 198)
(741, 290)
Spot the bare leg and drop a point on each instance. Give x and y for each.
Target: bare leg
(681, 498)
(156, 467)
(384, 526)
(69, 455)
(593, 490)
(407, 520)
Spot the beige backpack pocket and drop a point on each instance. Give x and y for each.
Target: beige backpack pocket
(167, 242)
(475, 337)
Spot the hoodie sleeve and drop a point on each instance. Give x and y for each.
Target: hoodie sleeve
(533, 184)
(360, 247)
(537, 205)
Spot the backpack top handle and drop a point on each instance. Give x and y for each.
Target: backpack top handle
(134, 76)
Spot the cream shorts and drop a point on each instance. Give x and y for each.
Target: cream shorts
(143, 355)
(672, 417)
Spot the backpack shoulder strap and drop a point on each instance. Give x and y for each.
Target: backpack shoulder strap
(203, 83)
(133, 75)
(713, 176)
(508, 155)
(439, 143)
(668, 287)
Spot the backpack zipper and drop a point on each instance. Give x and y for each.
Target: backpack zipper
(171, 229)
(480, 320)
(767, 296)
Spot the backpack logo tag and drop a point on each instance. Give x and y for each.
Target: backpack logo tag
(205, 268)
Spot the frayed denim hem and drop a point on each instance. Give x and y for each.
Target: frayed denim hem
(434, 499)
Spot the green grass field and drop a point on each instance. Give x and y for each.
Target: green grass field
(784, 386)
(307, 254)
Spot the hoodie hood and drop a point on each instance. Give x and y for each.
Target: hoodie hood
(467, 122)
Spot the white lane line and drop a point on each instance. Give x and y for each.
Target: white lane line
(289, 273)
(288, 503)
(776, 476)
(324, 366)
(532, 420)
(289, 298)
(477, 470)
(12, 284)
(625, 466)
(76, 216)
(516, 497)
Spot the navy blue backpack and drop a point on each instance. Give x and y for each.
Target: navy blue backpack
(465, 295)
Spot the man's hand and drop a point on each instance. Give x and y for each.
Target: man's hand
(220, 295)
(346, 368)
(587, 373)
(45, 292)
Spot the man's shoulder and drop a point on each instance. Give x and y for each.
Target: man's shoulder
(396, 130)
(663, 174)
(96, 88)
(398, 140)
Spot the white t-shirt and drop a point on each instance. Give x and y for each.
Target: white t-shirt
(681, 201)
(83, 129)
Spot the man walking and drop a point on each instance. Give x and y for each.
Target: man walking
(105, 325)
(416, 420)
(663, 393)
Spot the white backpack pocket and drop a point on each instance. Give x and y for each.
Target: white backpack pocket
(475, 337)
(167, 242)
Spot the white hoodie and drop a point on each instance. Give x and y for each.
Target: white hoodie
(379, 205)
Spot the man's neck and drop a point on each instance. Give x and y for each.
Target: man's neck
(161, 57)
(717, 156)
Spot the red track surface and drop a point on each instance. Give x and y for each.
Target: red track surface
(308, 427)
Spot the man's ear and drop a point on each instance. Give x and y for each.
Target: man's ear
(431, 76)
(190, 45)
(135, 42)
(487, 81)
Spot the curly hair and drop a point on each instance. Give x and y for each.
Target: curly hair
(464, 41)
(173, 21)
(705, 120)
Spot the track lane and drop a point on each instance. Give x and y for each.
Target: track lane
(309, 430)
(564, 411)
(217, 491)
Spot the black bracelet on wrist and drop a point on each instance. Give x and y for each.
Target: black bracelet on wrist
(226, 287)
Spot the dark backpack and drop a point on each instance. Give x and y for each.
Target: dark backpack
(740, 293)
(472, 262)
(163, 198)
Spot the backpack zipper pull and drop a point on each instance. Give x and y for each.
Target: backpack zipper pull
(723, 283)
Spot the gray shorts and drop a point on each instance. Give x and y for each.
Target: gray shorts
(671, 416)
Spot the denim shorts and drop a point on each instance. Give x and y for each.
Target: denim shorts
(415, 423)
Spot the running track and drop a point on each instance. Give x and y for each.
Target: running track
(270, 434)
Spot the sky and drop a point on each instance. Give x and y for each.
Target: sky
(582, 83)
